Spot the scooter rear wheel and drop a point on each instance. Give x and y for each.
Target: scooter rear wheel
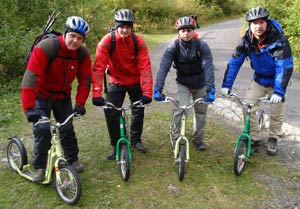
(16, 154)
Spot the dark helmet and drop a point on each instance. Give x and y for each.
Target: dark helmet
(185, 22)
(124, 15)
(257, 13)
(77, 24)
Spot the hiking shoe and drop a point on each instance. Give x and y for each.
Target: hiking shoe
(77, 166)
(39, 175)
(272, 146)
(199, 145)
(255, 145)
(140, 147)
(112, 155)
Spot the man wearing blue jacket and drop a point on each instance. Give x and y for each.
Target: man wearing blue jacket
(272, 62)
(193, 62)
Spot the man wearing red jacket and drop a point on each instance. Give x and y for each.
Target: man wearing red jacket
(130, 71)
(46, 87)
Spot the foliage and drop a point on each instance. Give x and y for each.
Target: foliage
(152, 16)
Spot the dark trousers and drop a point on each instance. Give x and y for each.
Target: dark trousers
(42, 137)
(116, 95)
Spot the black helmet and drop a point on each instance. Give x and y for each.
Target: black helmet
(257, 13)
(124, 15)
(185, 22)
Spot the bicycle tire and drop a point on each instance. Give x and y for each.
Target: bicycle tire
(124, 162)
(240, 157)
(16, 154)
(181, 161)
(70, 189)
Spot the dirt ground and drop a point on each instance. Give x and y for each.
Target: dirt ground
(283, 191)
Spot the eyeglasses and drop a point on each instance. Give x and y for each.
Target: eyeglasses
(186, 30)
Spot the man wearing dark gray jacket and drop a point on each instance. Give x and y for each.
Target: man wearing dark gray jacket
(195, 76)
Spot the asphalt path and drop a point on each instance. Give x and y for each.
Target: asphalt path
(222, 38)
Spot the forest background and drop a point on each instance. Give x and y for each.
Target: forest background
(22, 20)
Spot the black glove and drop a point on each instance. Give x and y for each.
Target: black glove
(146, 100)
(32, 115)
(79, 109)
(98, 101)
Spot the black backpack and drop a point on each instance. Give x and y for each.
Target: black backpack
(112, 48)
(113, 42)
(177, 49)
(47, 33)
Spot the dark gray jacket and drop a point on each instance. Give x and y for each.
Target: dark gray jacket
(189, 55)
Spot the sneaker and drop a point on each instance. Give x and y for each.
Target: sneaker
(77, 166)
(112, 155)
(39, 175)
(272, 146)
(140, 147)
(199, 145)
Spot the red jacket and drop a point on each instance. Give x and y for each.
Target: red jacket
(125, 68)
(56, 79)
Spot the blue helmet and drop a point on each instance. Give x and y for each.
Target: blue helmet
(77, 24)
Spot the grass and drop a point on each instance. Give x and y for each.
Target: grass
(209, 181)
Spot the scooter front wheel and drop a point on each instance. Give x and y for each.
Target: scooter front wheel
(240, 157)
(181, 161)
(16, 154)
(124, 162)
(68, 185)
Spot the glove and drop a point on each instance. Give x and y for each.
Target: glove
(158, 96)
(98, 101)
(33, 115)
(79, 109)
(275, 98)
(225, 91)
(146, 100)
(210, 95)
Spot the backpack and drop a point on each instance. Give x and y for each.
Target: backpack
(177, 50)
(46, 34)
(112, 48)
(113, 41)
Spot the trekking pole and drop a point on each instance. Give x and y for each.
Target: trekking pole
(49, 23)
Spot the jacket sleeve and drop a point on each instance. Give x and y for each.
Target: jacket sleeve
(84, 80)
(283, 68)
(234, 64)
(144, 66)
(33, 78)
(102, 58)
(164, 67)
(207, 66)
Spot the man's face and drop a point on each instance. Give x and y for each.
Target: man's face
(258, 28)
(186, 34)
(124, 30)
(73, 40)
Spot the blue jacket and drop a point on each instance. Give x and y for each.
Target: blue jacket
(196, 73)
(272, 64)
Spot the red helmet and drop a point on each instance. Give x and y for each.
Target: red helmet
(185, 22)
